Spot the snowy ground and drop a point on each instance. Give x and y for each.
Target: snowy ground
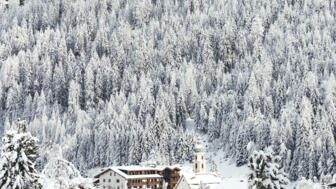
(232, 177)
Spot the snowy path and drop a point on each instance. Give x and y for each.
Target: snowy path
(233, 177)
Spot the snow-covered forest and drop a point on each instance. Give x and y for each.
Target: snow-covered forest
(113, 81)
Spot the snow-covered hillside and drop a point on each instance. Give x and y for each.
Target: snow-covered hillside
(114, 81)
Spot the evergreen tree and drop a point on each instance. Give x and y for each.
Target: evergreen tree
(18, 156)
(265, 171)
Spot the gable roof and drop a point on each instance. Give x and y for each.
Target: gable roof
(101, 173)
(182, 178)
(194, 180)
(130, 168)
(205, 178)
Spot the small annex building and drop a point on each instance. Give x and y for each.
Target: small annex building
(131, 177)
(199, 177)
(212, 181)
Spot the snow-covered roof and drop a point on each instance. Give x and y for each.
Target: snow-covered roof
(199, 147)
(194, 180)
(144, 168)
(126, 176)
(136, 168)
(119, 171)
(205, 178)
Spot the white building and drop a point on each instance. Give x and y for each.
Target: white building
(199, 177)
(131, 177)
(111, 179)
(199, 163)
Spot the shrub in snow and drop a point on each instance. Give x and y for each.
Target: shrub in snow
(60, 173)
(60, 168)
(18, 155)
(265, 172)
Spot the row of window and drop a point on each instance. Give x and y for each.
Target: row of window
(110, 187)
(133, 181)
(201, 165)
(201, 157)
(141, 172)
(140, 187)
(144, 180)
(109, 180)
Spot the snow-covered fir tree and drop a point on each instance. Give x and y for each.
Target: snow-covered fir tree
(265, 171)
(18, 156)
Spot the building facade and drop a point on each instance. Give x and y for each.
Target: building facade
(199, 163)
(111, 179)
(131, 177)
(171, 175)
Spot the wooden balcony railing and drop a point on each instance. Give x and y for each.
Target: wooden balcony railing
(144, 183)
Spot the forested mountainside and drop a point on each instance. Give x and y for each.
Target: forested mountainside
(113, 81)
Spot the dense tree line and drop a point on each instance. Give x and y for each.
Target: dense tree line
(103, 77)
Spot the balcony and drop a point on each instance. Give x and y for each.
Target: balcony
(130, 184)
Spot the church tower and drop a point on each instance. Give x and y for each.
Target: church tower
(199, 163)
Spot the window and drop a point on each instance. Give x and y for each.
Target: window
(118, 180)
(195, 157)
(202, 166)
(103, 180)
(202, 157)
(114, 174)
(109, 180)
(110, 174)
(195, 166)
